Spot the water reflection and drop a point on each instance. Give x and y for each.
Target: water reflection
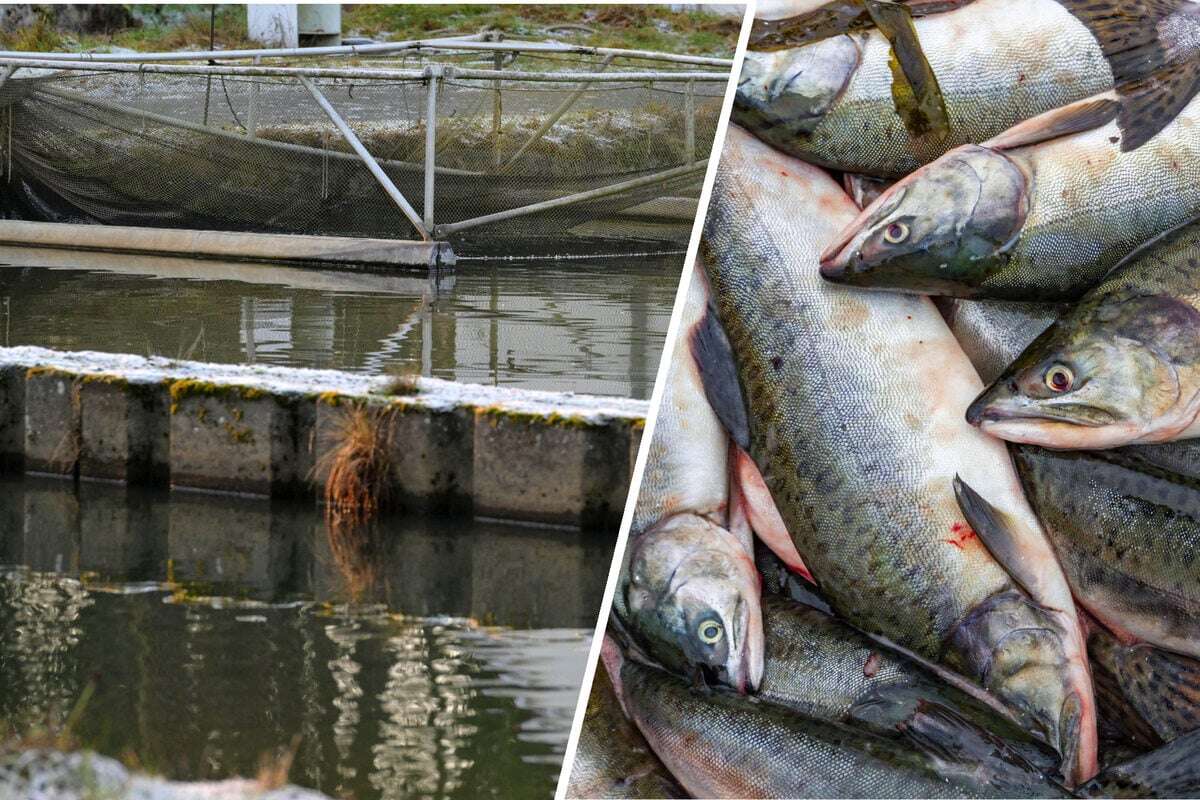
(587, 326)
(216, 631)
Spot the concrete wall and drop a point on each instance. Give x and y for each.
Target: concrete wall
(454, 448)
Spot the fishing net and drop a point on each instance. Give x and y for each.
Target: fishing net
(249, 153)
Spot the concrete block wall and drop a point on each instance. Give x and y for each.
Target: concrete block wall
(543, 457)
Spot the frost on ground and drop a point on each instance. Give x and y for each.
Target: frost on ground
(40, 774)
(432, 393)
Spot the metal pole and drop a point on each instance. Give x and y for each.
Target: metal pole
(689, 140)
(435, 75)
(212, 38)
(554, 117)
(252, 111)
(368, 159)
(161, 119)
(497, 110)
(4, 76)
(448, 72)
(572, 199)
(450, 43)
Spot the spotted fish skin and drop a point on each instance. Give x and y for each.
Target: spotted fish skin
(1162, 688)
(1172, 770)
(722, 745)
(1128, 538)
(612, 759)
(831, 102)
(839, 401)
(1132, 350)
(1125, 523)
(822, 667)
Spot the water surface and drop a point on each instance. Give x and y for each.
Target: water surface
(594, 326)
(435, 659)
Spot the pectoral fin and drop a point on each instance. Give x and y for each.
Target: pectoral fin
(994, 530)
(915, 90)
(1083, 115)
(764, 516)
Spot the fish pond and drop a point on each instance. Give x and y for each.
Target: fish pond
(592, 325)
(194, 635)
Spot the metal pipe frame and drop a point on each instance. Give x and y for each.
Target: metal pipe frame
(467, 42)
(449, 71)
(442, 231)
(368, 159)
(554, 117)
(162, 119)
(431, 88)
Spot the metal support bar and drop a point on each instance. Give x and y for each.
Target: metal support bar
(161, 119)
(572, 199)
(435, 75)
(367, 158)
(554, 117)
(497, 111)
(471, 42)
(4, 76)
(449, 72)
(252, 111)
(689, 135)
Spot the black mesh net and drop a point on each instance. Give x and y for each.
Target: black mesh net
(258, 154)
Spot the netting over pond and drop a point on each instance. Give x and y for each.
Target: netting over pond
(251, 149)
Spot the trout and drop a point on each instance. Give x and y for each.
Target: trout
(860, 449)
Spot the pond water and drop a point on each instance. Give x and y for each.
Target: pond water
(430, 658)
(594, 325)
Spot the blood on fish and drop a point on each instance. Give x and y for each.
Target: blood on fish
(960, 534)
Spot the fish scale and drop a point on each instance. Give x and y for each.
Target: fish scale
(776, 753)
(1091, 205)
(992, 75)
(859, 447)
(1128, 540)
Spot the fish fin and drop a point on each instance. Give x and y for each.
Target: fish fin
(915, 90)
(1154, 79)
(1082, 115)
(829, 20)
(713, 356)
(737, 518)
(992, 528)
(1172, 770)
(1149, 105)
(764, 516)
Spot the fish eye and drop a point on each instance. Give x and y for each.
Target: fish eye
(710, 631)
(1059, 378)
(895, 233)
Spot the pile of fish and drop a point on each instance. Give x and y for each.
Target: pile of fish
(920, 514)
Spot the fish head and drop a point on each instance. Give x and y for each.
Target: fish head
(693, 601)
(1113, 373)
(1021, 652)
(791, 91)
(942, 230)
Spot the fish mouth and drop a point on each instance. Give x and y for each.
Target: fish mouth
(986, 411)
(835, 259)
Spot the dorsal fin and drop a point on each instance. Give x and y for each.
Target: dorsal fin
(1151, 48)
(1082, 115)
(831, 19)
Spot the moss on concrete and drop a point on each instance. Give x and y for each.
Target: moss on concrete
(185, 388)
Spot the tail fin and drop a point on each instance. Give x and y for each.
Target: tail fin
(1172, 770)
